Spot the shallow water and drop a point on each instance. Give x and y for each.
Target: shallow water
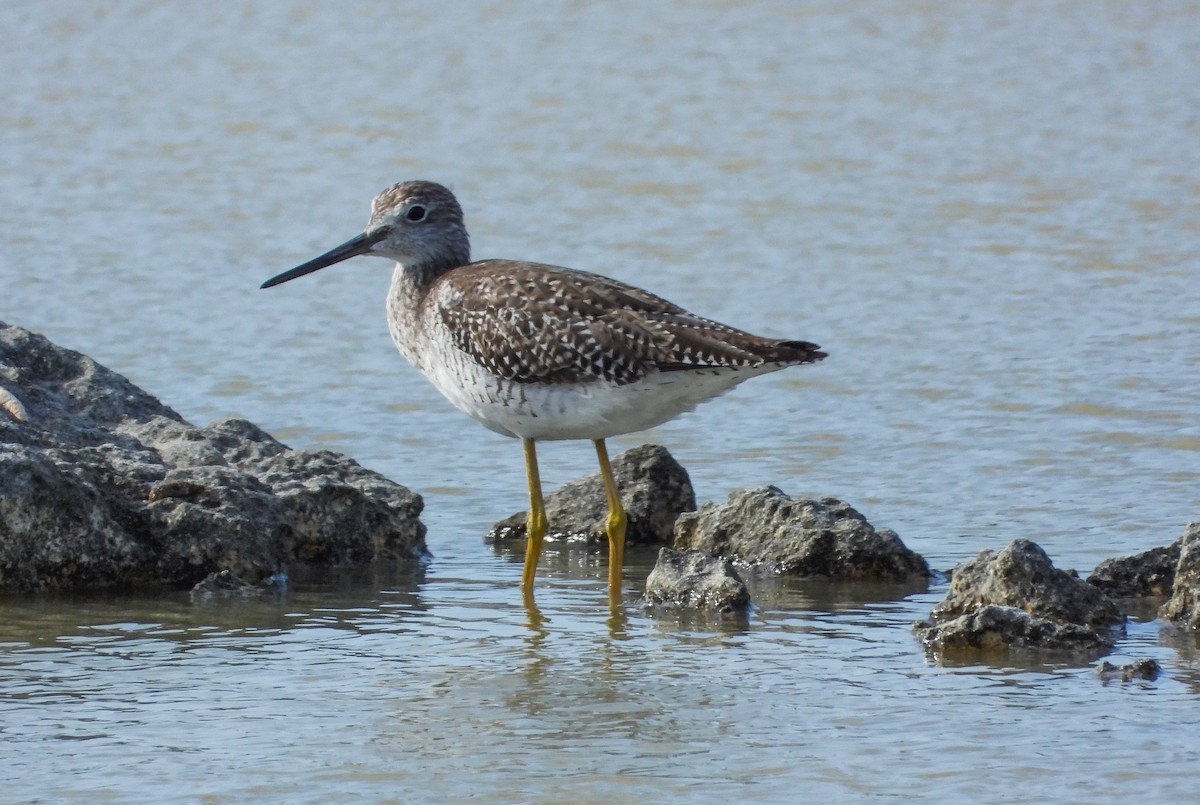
(987, 215)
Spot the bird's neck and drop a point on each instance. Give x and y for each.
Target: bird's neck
(412, 281)
(410, 286)
(405, 307)
(419, 276)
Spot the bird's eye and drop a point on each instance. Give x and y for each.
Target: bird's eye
(415, 213)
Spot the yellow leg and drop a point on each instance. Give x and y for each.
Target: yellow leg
(614, 526)
(536, 524)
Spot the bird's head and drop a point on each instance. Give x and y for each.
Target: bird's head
(418, 224)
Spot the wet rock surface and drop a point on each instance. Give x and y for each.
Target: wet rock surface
(102, 485)
(1184, 604)
(654, 488)
(1015, 597)
(695, 580)
(798, 536)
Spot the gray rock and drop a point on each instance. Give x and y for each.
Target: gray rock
(1144, 668)
(654, 488)
(1184, 605)
(105, 486)
(1148, 573)
(1017, 597)
(994, 626)
(798, 536)
(695, 580)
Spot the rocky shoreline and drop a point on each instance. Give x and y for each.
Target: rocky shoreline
(103, 486)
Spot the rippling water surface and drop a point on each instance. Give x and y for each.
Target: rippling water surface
(987, 214)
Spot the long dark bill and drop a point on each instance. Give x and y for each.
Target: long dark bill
(351, 248)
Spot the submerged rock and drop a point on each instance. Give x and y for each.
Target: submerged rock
(654, 488)
(798, 536)
(1184, 605)
(1148, 573)
(1145, 668)
(1016, 597)
(103, 485)
(696, 580)
(225, 585)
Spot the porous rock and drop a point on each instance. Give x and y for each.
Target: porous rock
(1184, 604)
(654, 489)
(1148, 573)
(798, 536)
(994, 626)
(1015, 597)
(695, 580)
(102, 485)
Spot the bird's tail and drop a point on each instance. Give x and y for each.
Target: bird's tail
(794, 352)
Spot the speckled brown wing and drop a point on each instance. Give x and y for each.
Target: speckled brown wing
(528, 323)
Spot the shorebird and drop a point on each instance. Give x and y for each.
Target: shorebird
(539, 352)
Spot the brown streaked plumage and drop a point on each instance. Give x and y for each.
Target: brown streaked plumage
(531, 323)
(536, 351)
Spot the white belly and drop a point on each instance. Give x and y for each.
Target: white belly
(595, 410)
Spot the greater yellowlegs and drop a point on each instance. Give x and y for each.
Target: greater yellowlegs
(539, 352)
